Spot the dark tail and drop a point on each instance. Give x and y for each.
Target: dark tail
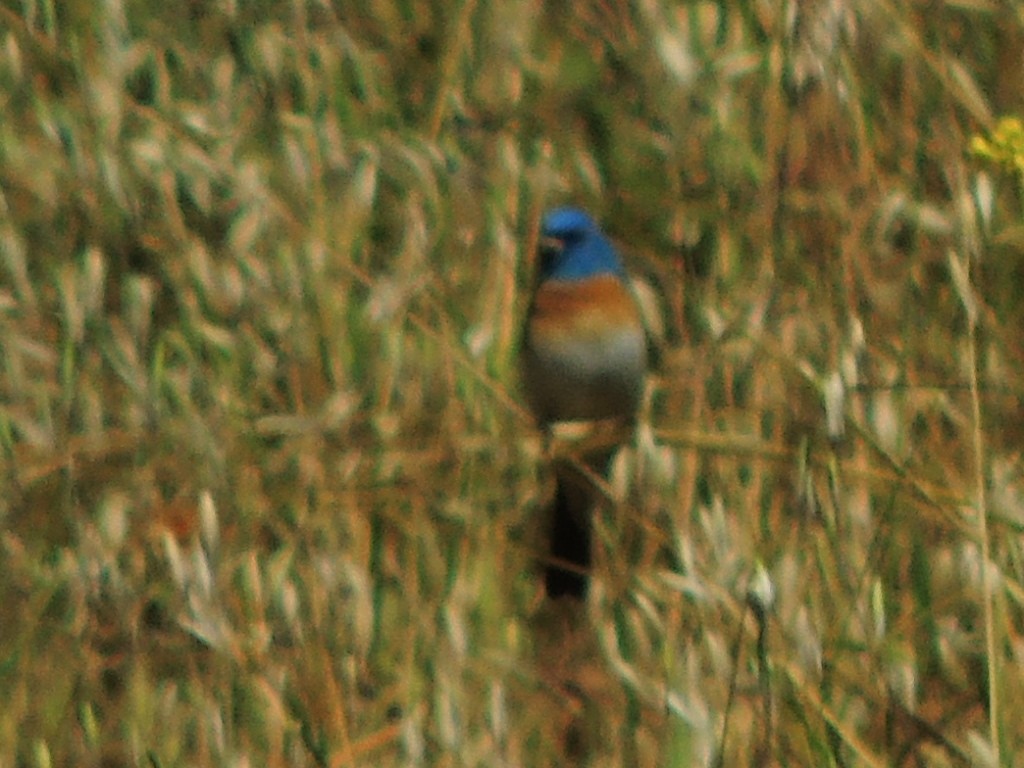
(568, 573)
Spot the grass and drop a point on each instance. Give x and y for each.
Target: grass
(270, 495)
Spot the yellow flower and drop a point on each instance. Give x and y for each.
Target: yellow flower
(1005, 145)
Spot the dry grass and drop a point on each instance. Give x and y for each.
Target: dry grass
(269, 495)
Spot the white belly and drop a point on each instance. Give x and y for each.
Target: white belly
(594, 378)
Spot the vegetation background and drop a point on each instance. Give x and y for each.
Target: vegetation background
(269, 494)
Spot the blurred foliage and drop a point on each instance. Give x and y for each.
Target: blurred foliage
(269, 496)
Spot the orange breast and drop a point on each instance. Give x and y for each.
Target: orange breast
(582, 308)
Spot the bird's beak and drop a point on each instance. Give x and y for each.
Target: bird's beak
(549, 248)
(548, 243)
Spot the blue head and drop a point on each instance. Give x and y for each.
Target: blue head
(574, 248)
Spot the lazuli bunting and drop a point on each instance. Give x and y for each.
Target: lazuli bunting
(584, 358)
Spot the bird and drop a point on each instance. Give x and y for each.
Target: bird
(584, 358)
